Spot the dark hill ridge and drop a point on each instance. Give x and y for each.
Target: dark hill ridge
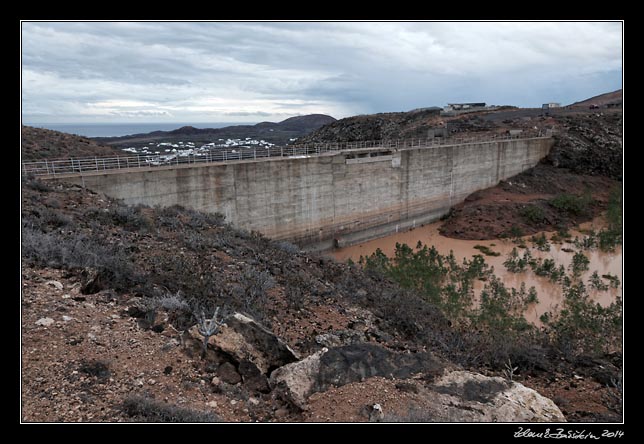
(421, 122)
(277, 133)
(612, 98)
(377, 126)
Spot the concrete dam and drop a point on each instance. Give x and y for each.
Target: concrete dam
(332, 197)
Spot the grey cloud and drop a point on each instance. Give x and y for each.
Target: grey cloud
(248, 113)
(346, 67)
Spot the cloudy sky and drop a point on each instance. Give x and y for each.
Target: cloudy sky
(254, 71)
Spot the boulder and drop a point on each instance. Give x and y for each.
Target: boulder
(254, 379)
(338, 338)
(452, 396)
(462, 396)
(244, 339)
(228, 373)
(351, 363)
(356, 362)
(296, 381)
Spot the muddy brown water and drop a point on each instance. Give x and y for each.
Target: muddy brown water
(549, 294)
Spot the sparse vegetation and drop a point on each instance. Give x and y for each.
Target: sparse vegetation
(541, 242)
(572, 205)
(582, 325)
(579, 264)
(515, 232)
(208, 326)
(440, 279)
(183, 262)
(543, 267)
(95, 368)
(486, 250)
(509, 370)
(614, 280)
(287, 247)
(255, 284)
(77, 252)
(611, 236)
(516, 264)
(533, 214)
(596, 282)
(144, 409)
(37, 184)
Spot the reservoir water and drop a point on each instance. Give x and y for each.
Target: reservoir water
(549, 294)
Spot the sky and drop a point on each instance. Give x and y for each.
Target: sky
(117, 72)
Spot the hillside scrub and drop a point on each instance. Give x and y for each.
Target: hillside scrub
(156, 252)
(181, 262)
(582, 324)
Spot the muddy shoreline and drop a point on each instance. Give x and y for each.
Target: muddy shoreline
(503, 211)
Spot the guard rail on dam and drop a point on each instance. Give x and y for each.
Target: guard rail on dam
(67, 166)
(316, 195)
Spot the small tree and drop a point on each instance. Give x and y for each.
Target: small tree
(207, 328)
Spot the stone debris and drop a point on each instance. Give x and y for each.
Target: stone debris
(45, 322)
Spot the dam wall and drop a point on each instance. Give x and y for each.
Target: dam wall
(335, 198)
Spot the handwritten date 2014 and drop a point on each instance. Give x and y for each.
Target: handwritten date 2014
(561, 433)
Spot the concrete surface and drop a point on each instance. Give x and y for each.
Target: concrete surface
(338, 198)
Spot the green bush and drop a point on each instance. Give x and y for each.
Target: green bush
(611, 236)
(532, 214)
(515, 232)
(583, 326)
(439, 279)
(516, 264)
(486, 250)
(501, 310)
(541, 242)
(543, 267)
(614, 280)
(571, 204)
(596, 282)
(579, 264)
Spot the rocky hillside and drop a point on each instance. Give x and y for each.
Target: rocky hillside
(590, 143)
(377, 127)
(118, 325)
(39, 143)
(278, 133)
(614, 98)
(584, 166)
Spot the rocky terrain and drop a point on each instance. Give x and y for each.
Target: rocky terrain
(276, 133)
(611, 99)
(377, 127)
(112, 298)
(586, 162)
(139, 314)
(423, 122)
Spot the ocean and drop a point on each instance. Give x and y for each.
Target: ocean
(124, 129)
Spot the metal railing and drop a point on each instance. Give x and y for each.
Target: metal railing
(77, 166)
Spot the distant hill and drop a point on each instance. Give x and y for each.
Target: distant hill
(377, 126)
(399, 125)
(277, 133)
(611, 98)
(40, 143)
